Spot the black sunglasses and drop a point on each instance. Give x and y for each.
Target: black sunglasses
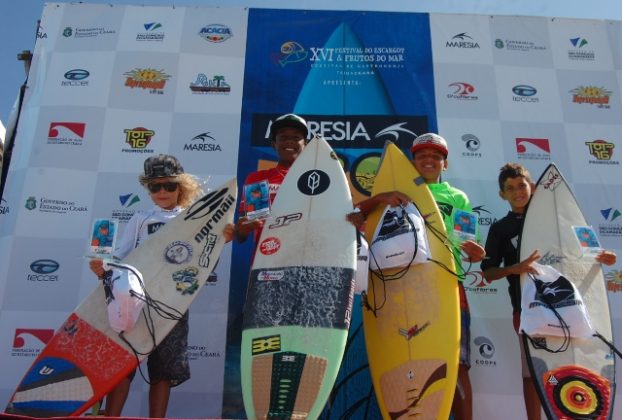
(156, 187)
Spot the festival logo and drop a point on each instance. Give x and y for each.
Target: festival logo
(525, 93)
(462, 91)
(151, 32)
(485, 355)
(579, 50)
(92, 32)
(43, 270)
(532, 148)
(68, 133)
(149, 79)
(203, 142)
(611, 226)
(291, 52)
(215, 85)
(462, 40)
(215, 33)
(602, 150)
(28, 342)
(592, 95)
(472, 144)
(613, 279)
(138, 138)
(76, 77)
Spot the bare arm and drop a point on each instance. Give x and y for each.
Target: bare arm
(525, 266)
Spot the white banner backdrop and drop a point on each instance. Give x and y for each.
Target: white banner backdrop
(112, 85)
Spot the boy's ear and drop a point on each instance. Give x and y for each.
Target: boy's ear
(533, 186)
(501, 195)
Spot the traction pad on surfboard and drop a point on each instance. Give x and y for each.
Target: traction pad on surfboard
(576, 392)
(286, 384)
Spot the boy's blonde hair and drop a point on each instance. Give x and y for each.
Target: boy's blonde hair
(189, 189)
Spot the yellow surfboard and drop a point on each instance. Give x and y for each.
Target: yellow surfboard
(413, 335)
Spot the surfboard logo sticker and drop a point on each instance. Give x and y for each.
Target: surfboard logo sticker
(285, 220)
(270, 246)
(313, 182)
(577, 392)
(204, 258)
(267, 344)
(186, 281)
(551, 181)
(178, 252)
(271, 275)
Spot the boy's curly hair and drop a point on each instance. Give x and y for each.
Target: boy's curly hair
(189, 190)
(512, 170)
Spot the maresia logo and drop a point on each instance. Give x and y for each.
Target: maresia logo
(462, 40)
(203, 142)
(313, 182)
(557, 294)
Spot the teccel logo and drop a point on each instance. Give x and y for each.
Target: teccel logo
(43, 270)
(77, 74)
(524, 90)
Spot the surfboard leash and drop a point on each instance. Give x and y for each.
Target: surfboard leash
(446, 243)
(608, 343)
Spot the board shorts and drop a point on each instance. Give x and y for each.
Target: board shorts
(465, 328)
(169, 361)
(523, 356)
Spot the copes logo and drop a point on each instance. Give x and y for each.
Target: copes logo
(28, 342)
(76, 77)
(313, 182)
(43, 270)
(270, 246)
(151, 79)
(203, 142)
(591, 95)
(69, 133)
(472, 144)
(485, 351)
(602, 150)
(534, 149)
(215, 85)
(138, 138)
(215, 33)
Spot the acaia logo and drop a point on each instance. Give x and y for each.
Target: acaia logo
(215, 33)
(71, 133)
(205, 85)
(128, 200)
(292, 52)
(43, 335)
(270, 246)
(600, 149)
(532, 148)
(591, 95)
(148, 78)
(610, 214)
(203, 142)
(138, 137)
(462, 40)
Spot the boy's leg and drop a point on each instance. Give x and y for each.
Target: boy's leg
(115, 400)
(462, 406)
(530, 393)
(159, 393)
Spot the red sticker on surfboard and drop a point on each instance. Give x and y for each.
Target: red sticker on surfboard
(270, 246)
